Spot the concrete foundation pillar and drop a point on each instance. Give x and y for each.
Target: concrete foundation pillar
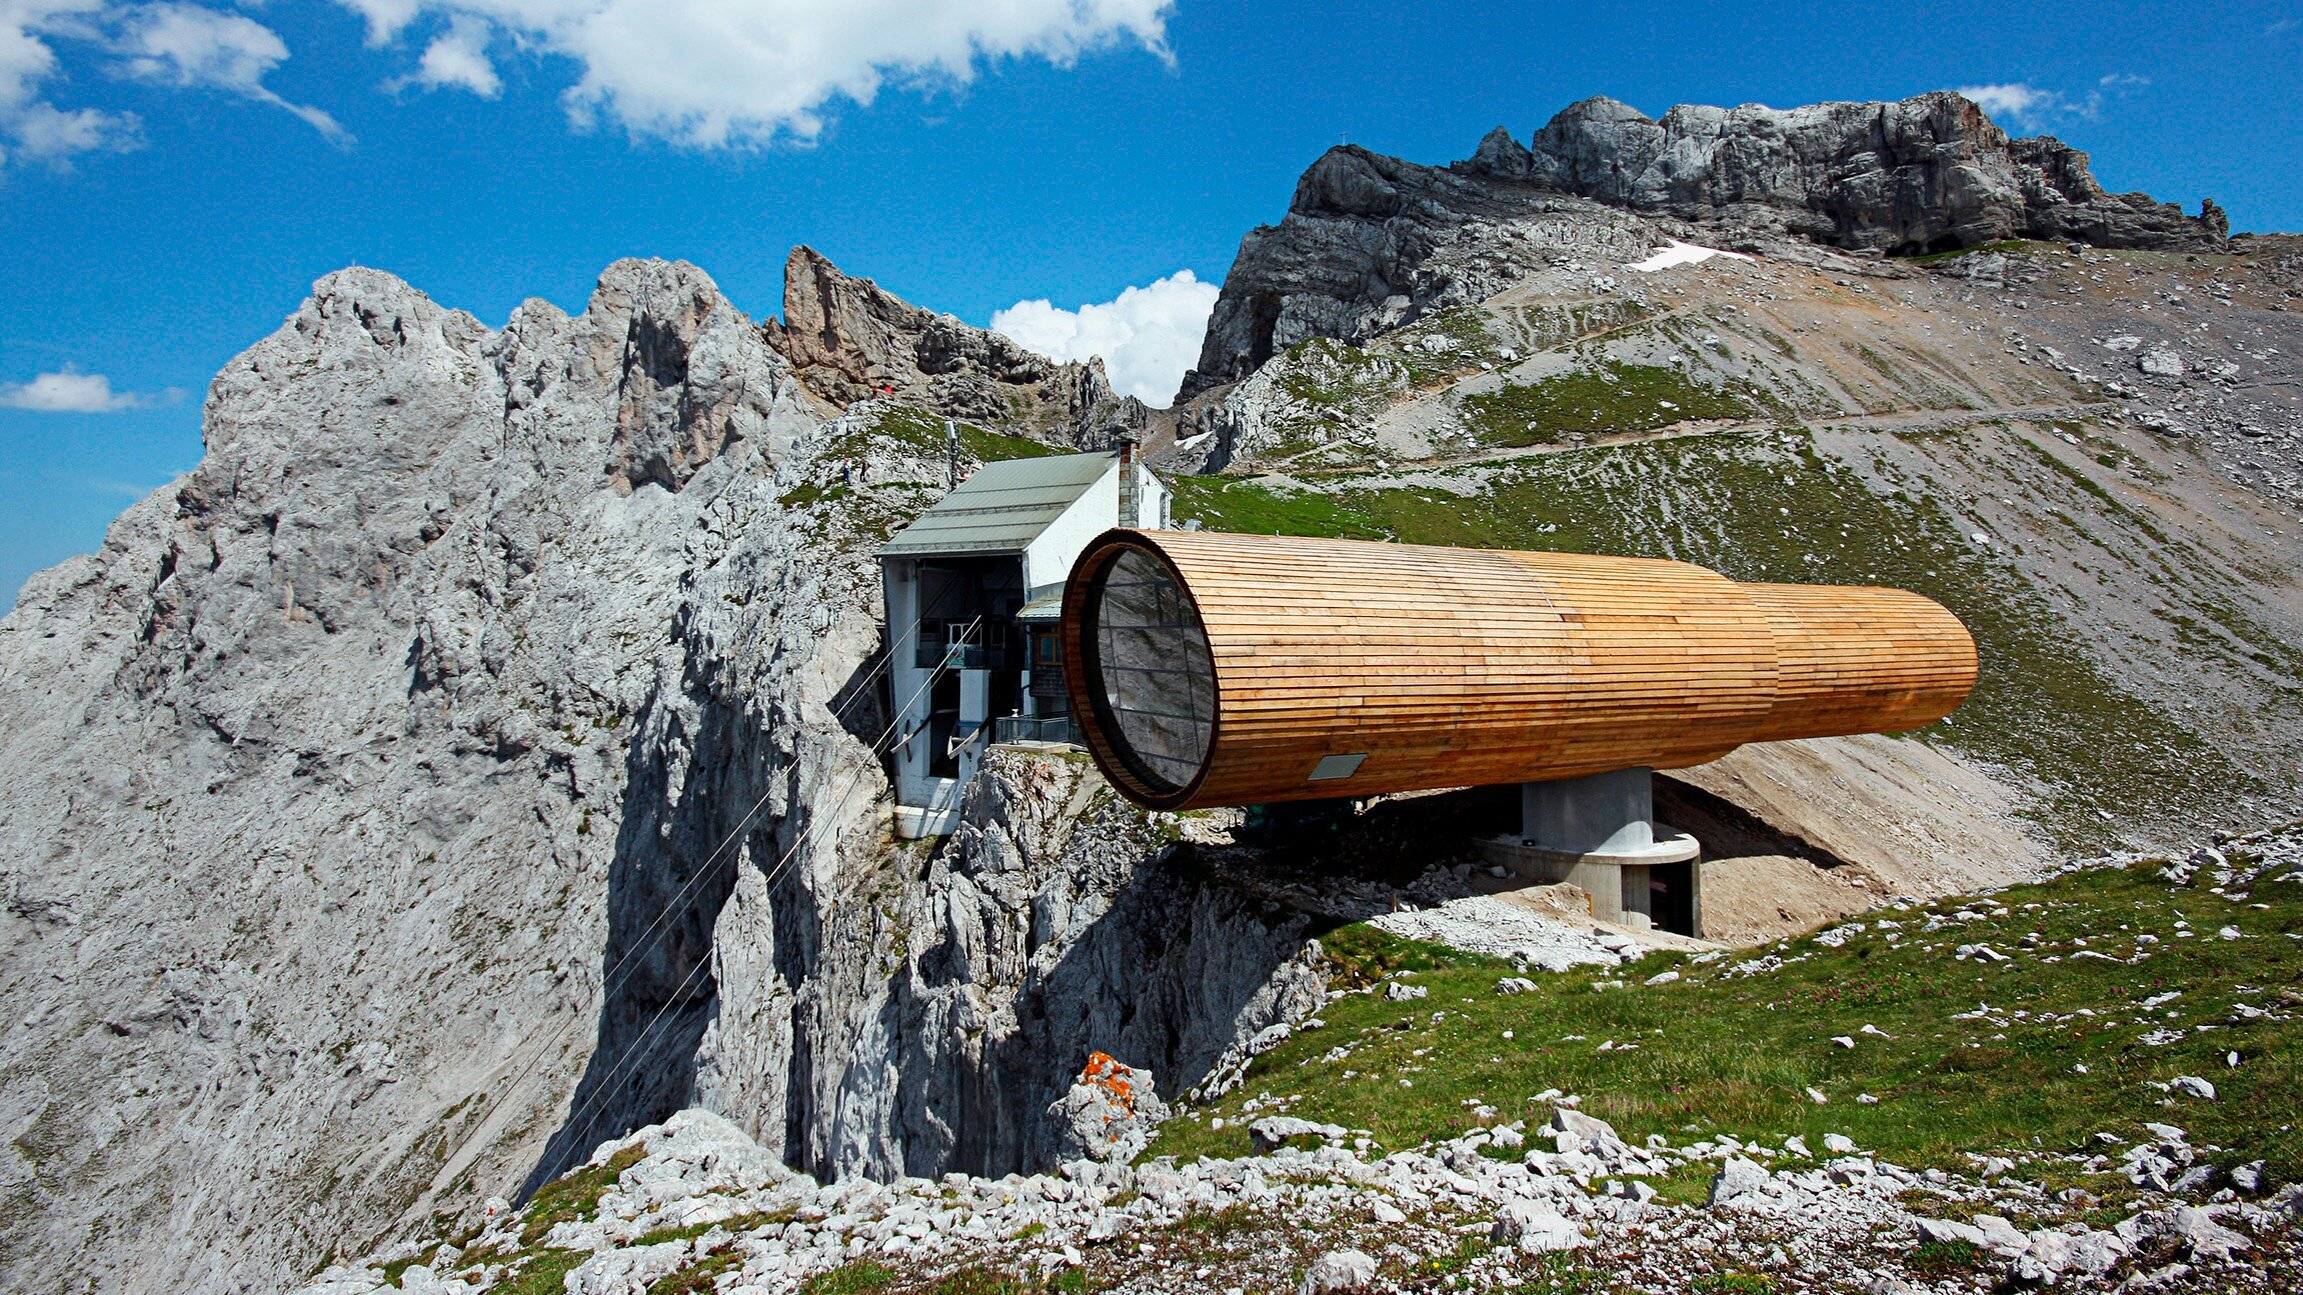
(1605, 813)
(1599, 833)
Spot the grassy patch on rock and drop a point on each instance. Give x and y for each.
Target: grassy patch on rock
(574, 1197)
(2114, 983)
(700, 1277)
(922, 430)
(1444, 346)
(1251, 505)
(1607, 398)
(543, 1273)
(853, 1278)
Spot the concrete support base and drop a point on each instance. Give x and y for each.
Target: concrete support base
(926, 807)
(912, 824)
(1599, 833)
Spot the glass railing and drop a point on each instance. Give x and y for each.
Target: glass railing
(1034, 728)
(967, 656)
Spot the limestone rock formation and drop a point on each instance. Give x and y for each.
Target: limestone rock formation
(1061, 927)
(315, 772)
(850, 339)
(1370, 241)
(1927, 174)
(474, 758)
(1108, 1114)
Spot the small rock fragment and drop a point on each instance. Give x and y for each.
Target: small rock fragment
(1534, 1227)
(1337, 1270)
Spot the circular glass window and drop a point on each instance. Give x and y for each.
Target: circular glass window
(1150, 672)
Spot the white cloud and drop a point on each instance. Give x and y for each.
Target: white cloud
(701, 73)
(1147, 336)
(35, 128)
(2013, 100)
(42, 130)
(458, 57)
(2030, 106)
(385, 17)
(185, 45)
(69, 391)
(711, 73)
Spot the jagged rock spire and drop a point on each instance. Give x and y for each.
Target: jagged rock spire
(850, 340)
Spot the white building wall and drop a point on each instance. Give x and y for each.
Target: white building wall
(1048, 560)
(1156, 507)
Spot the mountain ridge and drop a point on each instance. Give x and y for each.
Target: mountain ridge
(1926, 174)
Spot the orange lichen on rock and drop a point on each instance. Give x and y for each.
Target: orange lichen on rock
(1108, 1073)
(1108, 1113)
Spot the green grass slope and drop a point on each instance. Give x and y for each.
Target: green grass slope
(2115, 982)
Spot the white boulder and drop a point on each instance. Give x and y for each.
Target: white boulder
(1335, 1271)
(1535, 1227)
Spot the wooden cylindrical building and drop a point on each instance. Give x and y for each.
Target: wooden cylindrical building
(1209, 669)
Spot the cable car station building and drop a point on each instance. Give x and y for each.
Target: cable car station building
(974, 590)
(1044, 599)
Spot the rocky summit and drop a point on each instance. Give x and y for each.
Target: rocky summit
(1929, 174)
(849, 340)
(446, 835)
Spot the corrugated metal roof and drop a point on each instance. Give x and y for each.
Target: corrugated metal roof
(1047, 607)
(1002, 508)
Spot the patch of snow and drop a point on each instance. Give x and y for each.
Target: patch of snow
(1681, 254)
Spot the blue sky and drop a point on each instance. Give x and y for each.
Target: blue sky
(176, 175)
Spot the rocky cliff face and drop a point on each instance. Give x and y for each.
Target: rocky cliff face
(474, 757)
(1371, 241)
(849, 340)
(1928, 174)
(1060, 922)
(316, 770)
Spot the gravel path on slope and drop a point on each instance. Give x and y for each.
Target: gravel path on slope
(1485, 924)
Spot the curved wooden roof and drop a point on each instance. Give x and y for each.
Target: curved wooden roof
(1444, 667)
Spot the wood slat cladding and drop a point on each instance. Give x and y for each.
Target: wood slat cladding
(1464, 667)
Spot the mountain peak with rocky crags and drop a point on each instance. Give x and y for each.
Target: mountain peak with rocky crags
(1370, 241)
(849, 339)
(1927, 174)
